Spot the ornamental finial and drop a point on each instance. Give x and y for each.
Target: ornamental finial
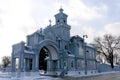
(61, 10)
(50, 21)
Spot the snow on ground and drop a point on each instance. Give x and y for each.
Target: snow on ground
(6, 76)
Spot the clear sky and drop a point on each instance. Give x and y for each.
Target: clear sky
(19, 18)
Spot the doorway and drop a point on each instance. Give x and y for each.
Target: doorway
(43, 55)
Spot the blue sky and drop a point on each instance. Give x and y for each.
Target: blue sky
(19, 18)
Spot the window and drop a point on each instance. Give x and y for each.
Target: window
(94, 64)
(58, 21)
(91, 54)
(65, 64)
(78, 63)
(72, 64)
(64, 21)
(87, 51)
(80, 51)
(66, 47)
(91, 63)
(83, 63)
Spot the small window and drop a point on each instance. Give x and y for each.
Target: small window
(65, 64)
(64, 21)
(69, 52)
(72, 64)
(83, 64)
(87, 51)
(66, 47)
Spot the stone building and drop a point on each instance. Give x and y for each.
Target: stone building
(54, 51)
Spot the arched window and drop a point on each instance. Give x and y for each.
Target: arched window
(58, 21)
(64, 21)
(65, 64)
(66, 47)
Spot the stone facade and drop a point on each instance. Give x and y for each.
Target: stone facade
(54, 51)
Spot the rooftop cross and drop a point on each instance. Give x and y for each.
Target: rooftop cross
(61, 10)
(50, 21)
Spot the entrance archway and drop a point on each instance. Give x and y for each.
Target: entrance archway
(43, 55)
(48, 58)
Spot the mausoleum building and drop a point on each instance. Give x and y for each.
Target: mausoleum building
(54, 51)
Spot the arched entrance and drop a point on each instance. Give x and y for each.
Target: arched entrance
(43, 55)
(48, 56)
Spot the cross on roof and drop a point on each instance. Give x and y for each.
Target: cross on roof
(50, 21)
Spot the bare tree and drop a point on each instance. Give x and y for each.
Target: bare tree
(108, 45)
(5, 61)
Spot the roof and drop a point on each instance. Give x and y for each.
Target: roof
(89, 45)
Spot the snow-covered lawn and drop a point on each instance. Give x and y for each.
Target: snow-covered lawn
(7, 76)
(4, 76)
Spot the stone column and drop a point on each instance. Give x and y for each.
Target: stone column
(12, 64)
(51, 65)
(58, 62)
(21, 63)
(13, 60)
(26, 64)
(48, 65)
(37, 62)
(33, 64)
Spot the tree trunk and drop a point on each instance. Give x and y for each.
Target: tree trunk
(111, 60)
(112, 65)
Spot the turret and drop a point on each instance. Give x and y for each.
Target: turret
(61, 18)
